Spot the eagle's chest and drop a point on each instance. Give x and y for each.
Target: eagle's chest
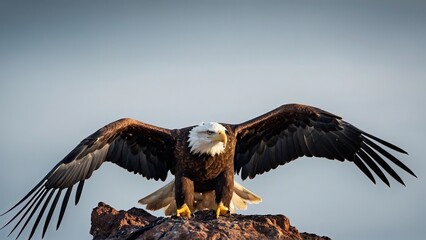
(203, 167)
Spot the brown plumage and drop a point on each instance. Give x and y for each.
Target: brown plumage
(250, 148)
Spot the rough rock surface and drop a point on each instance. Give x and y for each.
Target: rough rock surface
(108, 223)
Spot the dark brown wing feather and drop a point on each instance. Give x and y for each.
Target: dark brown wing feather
(294, 130)
(136, 146)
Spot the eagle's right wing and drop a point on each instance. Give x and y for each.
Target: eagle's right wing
(133, 145)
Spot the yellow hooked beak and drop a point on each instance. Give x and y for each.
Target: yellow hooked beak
(221, 137)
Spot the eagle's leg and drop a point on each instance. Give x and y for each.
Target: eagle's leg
(224, 191)
(184, 195)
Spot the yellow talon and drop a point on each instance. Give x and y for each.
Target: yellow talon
(221, 210)
(184, 211)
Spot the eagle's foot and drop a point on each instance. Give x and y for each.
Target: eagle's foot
(184, 211)
(221, 210)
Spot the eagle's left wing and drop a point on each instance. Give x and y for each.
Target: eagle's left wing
(292, 131)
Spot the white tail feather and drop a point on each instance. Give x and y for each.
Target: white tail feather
(165, 198)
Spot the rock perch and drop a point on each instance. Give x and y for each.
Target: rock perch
(137, 224)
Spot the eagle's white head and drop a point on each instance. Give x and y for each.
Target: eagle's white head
(207, 138)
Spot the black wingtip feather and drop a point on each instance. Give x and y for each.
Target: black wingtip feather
(381, 162)
(37, 221)
(38, 201)
(26, 196)
(363, 168)
(387, 144)
(64, 206)
(30, 203)
(389, 156)
(373, 166)
(22, 209)
(79, 190)
(50, 213)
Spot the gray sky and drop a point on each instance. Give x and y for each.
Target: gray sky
(68, 68)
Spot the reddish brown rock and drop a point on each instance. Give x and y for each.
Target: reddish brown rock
(108, 223)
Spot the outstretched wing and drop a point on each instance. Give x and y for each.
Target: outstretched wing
(294, 130)
(133, 145)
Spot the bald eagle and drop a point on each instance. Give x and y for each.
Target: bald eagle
(205, 158)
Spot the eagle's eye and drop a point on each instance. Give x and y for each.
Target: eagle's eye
(209, 132)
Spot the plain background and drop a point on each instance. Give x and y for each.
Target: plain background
(67, 68)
